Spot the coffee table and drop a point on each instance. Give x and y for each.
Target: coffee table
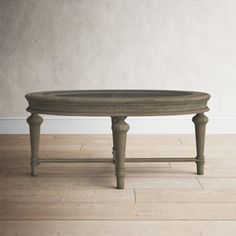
(118, 104)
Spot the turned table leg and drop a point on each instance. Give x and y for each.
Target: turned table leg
(119, 130)
(200, 120)
(113, 121)
(34, 122)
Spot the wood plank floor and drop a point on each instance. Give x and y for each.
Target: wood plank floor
(163, 199)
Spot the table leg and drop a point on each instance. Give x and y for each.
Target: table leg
(34, 122)
(120, 129)
(200, 120)
(113, 121)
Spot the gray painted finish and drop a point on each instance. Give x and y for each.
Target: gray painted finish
(118, 104)
(119, 130)
(200, 121)
(34, 122)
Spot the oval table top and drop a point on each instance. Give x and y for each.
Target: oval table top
(117, 102)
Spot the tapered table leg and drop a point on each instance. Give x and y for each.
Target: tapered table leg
(34, 122)
(113, 121)
(200, 120)
(120, 129)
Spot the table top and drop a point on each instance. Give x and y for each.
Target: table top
(117, 102)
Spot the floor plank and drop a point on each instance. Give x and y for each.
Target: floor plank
(77, 183)
(45, 147)
(82, 199)
(118, 211)
(117, 228)
(213, 167)
(57, 183)
(183, 195)
(81, 195)
(217, 183)
(211, 139)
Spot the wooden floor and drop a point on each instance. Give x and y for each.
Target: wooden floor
(80, 199)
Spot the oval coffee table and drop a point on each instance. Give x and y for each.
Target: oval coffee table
(118, 104)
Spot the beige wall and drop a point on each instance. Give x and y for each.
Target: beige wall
(153, 44)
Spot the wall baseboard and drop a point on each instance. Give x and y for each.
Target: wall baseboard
(102, 125)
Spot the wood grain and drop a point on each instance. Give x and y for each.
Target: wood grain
(116, 211)
(80, 199)
(117, 228)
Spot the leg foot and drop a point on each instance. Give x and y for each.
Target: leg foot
(120, 182)
(34, 122)
(200, 120)
(120, 129)
(200, 168)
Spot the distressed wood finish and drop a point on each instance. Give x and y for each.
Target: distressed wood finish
(118, 104)
(200, 121)
(120, 129)
(113, 121)
(34, 122)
